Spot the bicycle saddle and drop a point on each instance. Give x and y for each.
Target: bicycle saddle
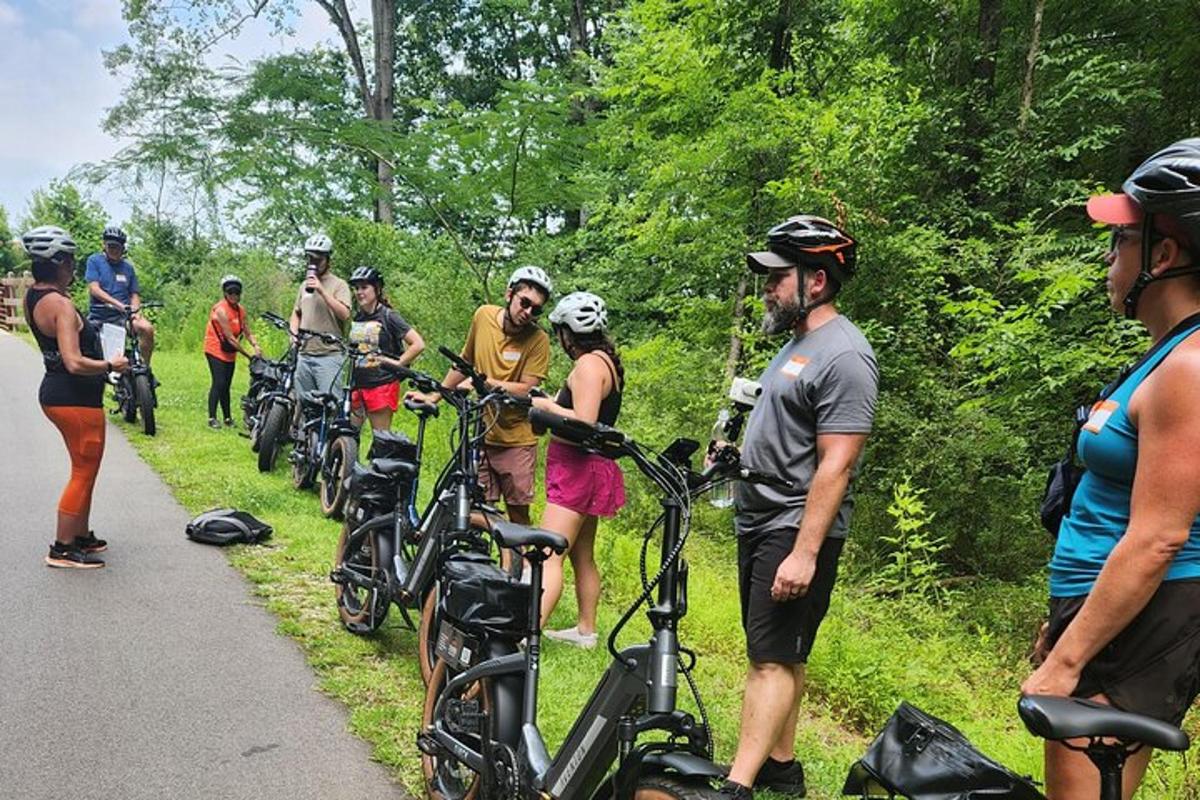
(510, 534)
(1059, 718)
(316, 398)
(422, 409)
(394, 467)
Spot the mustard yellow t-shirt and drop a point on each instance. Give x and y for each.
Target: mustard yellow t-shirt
(507, 358)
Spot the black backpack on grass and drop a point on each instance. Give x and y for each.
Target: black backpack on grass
(223, 526)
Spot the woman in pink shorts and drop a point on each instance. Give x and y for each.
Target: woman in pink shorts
(581, 487)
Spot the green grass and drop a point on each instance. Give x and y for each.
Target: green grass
(962, 660)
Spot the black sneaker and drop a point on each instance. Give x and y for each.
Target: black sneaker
(735, 791)
(71, 557)
(229, 423)
(782, 777)
(212, 423)
(90, 544)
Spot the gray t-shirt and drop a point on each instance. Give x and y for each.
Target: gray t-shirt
(825, 381)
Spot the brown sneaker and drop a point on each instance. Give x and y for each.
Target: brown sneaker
(71, 557)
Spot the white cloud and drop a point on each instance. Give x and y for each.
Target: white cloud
(9, 16)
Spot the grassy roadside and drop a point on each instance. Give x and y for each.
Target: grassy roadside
(960, 660)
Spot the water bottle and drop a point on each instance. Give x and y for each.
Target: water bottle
(721, 496)
(310, 272)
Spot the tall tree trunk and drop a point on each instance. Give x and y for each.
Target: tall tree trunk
(735, 338)
(984, 67)
(577, 28)
(1031, 58)
(384, 22)
(781, 37)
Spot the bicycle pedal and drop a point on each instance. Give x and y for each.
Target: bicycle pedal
(464, 716)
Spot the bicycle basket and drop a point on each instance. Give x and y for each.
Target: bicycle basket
(921, 757)
(480, 596)
(392, 444)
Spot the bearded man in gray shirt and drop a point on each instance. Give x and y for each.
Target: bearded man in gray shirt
(809, 426)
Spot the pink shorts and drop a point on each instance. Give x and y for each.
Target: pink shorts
(377, 398)
(583, 482)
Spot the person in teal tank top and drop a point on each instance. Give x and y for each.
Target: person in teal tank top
(1124, 626)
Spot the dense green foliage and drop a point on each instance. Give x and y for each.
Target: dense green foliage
(638, 149)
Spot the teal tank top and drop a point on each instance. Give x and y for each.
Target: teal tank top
(1099, 512)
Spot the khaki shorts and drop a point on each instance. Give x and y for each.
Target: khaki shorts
(508, 472)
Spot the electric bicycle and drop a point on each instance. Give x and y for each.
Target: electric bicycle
(136, 390)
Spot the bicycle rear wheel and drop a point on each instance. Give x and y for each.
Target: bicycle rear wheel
(362, 609)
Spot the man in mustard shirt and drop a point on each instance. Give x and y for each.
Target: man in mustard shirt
(506, 344)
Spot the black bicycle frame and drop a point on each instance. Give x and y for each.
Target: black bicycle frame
(607, 728)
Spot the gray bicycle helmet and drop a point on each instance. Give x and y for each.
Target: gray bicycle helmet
(810, 241)
(113, 233)
(230, 280)
(1163, 196)
(582, 312)
(535, 275)
(366, 275)
(318, 243)
(48, 242)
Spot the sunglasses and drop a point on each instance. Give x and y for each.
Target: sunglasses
(533, 308)
(1120, 236)
(237, 292)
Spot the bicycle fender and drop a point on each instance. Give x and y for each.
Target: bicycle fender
(682, 763)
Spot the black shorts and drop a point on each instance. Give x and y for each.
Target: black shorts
(1153, 666)
(782, 632)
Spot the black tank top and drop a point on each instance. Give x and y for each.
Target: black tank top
(610, 406)
(59, 387)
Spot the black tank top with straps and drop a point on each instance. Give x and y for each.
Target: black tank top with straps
(610, 406)
(59, 387)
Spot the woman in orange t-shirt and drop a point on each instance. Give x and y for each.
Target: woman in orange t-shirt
(222, 342)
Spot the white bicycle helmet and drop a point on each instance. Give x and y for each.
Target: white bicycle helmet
(230, 279)
(535, 275)
(48, 242)
(582, 312)
(318, 243)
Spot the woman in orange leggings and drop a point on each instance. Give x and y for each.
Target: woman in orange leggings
(72, 390)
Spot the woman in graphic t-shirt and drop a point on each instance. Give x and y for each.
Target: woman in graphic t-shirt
(386, 340)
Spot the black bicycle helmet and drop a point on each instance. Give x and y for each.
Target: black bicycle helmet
(113, 233)
(1163, 196)
(809, 241)
(366, 275)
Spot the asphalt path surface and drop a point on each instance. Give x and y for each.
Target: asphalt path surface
(158, 676)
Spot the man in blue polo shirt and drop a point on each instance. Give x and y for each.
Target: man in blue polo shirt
(113, 284)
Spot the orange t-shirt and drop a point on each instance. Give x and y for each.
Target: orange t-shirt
(237, 320)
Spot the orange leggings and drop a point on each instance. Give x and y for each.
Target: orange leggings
(83, 431)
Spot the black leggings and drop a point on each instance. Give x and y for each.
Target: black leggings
(222, 379)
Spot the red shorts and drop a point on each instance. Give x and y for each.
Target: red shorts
(583, 482)
(376, 398)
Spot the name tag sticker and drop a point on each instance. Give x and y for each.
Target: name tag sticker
(121, 278)
(1100, 415)
(511, 356)
(793, 367)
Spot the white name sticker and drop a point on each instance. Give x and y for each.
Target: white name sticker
(794, 366)
(511, 356)
(1101, 412)
(121, 278)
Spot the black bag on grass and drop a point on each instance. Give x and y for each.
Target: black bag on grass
(223, 526)
(920, 757)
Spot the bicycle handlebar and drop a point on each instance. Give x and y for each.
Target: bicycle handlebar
(478, 379)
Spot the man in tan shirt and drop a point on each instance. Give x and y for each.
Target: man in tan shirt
(322, 305)
(506, 344)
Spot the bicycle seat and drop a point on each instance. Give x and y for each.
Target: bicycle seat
(1058, 718)
(317, 399)
(421, 409)
(394, 467)
(510, 534)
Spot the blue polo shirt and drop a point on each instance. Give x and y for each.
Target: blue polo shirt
(119, 280)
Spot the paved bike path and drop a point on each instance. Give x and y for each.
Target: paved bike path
(158, 676)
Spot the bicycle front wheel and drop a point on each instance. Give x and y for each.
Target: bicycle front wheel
(339, 460)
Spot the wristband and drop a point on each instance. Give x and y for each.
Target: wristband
(108, 366)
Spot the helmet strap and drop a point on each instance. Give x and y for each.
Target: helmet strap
(1144, 278)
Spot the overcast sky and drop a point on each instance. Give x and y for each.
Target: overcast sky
(54, 88)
